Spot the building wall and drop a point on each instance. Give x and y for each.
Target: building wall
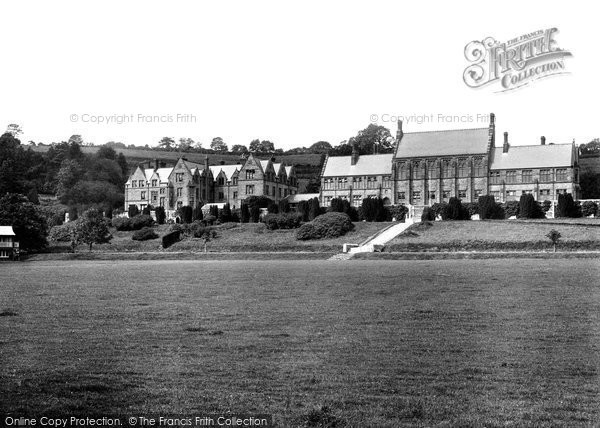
(504, 188)
(198, 187)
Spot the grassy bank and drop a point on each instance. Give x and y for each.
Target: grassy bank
(234, 237)
(500, 235)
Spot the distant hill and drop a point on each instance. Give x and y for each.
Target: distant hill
(308, 166)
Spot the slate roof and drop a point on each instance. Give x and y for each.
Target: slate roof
(538, 156)
(443, 143)
(229, 170)
(340, 166)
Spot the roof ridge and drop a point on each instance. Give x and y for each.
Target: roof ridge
(449, 130)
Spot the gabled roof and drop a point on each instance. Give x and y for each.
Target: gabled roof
(443, 143)
(366, 165)
(538, 156)
(264, 164)
(6, 231)
(163, 174)
(288, 170)
(228, 170)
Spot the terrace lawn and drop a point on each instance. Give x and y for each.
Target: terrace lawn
(379, 343)
(501, 234)
(247, 237)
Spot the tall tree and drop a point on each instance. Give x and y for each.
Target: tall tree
(218, 145)
(373, 139)
(91, 228)
(166, 143)
(239, 149)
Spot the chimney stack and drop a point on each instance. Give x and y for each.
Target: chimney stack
(399, 133)
(543, 140)
(156, 164)
(354, 157)
(505, 145)
(492, 119)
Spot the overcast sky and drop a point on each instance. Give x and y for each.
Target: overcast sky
(293, 73)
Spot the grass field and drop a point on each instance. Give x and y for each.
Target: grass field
(359, 343)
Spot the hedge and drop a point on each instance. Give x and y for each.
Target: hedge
(135, 223)
(144, 234)
(282, 221)
(170, 238)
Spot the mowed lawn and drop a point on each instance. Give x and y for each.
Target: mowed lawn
(235, 237)
(355, 343)
(530, 235)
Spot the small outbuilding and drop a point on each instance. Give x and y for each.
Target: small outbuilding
(9, 246)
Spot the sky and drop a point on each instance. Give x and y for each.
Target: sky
(291, 72)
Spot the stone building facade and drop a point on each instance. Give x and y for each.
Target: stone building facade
(431, 167)
(189, 183)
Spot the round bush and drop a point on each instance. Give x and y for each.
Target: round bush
(144, 234)
(328, 225)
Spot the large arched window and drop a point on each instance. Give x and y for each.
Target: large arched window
(479, 167)
(403, 171)
(433, 169)
(447, 168)
(464, 168)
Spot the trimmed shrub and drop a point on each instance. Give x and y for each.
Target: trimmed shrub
(398, 212)
(133, 211)
(456, 210)
(140, 221)
(427, 215)
(160, 215)
(121, 223)
(302, 209)
(259, 201)
(314, 209)
(146, 210)
(282, 221)
(488, 208)
(373, 209)
(472, 208)
(144, 234)
(273, 208)
(511, 208)
(546, 205)
(529, 208)
(566, 206)
(284, 206)
(343, 206)
(197, 213)
(225, 215)
(171, 238)
(185, 213)
(254, 213)
(328, 225)
(589, 208)
(440, 209)
(135, 223)
(108, 213)
(244, 213)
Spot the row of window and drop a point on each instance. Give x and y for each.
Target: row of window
(526, 176)
(463, 168)
(446, 194)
